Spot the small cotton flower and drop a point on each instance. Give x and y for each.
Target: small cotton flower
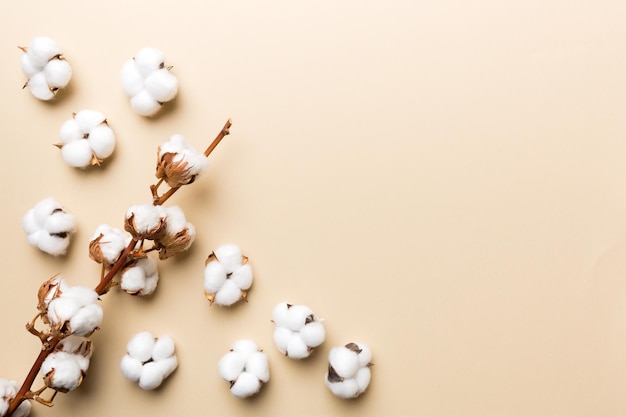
(297, 330)
(178, 163)
(349, 373)
(246, 367)
(49, 227)
(8, 391)
(145, 221)
(107, 244)
(149, 360)
(86, 139)
(148, 82)
(140, 278)
(72, 310)
(45, 67)
(227, 276)
(179, 233)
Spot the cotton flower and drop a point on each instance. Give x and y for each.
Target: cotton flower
(149, 360)
(107, 244)
(49, 226)
(227, 276)
(86, 139)
(73, 310)
(148, 82)
(65, 368)
(246, 367)
(45, 67)
(349, 374)
(178, 163)
(146, 221)
(8, 391)
(179, 233)
(297, 330)
(140, 278)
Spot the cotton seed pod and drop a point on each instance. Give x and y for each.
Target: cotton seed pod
(148, 82)
(49, 290)
(146, 221)
(8, 391)
(297, 330)
(245, 367)
(49, 227)
(86, 139)
(349, 373)
(62, 371)
(178, 163)
(149, 360)
(45, 67)
(140, 278)
(227, 276)
(179, 233)
(74, 311)
(107, 244)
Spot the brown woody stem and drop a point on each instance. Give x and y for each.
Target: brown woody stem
(25, 392)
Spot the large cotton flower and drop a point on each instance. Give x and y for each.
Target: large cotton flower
(297, 330)
(49, 226)
(349, 374)
(227, 275)
(149, 360)
(148, 82)
(245, 367)
(86, 139)
(46, 68)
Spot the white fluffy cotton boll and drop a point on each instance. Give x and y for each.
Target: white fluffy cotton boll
(227, 276)
(86, 139)
(77, 154)
(86, 320)
(148, 82)
(102, 141)
(149, 360)
(108, 243)
(146, 221)
(8, 391)
(297, 330)
(141, 279)
(41, 50)
(349, 373)
(246, 367)
(46, 69)
(62, 371)
(49, 226)
(229, 255)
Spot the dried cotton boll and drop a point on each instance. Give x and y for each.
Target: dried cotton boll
(45, 67)
(8, 391)
(146, 221)
(49, 227)
(227, 276)
(140, 279)
(74, 311)
(107, 244)
(178, 163)
(297, 330)
(149, 360)
(86, 139)
(148, 82)
(349, 373)
(179, 233)
(62, 371)
(245, 367)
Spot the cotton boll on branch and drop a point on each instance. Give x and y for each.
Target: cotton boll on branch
(49, 227)
(148, 81)
(45, 67)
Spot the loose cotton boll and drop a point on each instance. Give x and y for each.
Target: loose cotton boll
(349, 373)
(45, 67)
(297, 330)
(149, 360)
(107, 244)
(74, 311)
(148, 82)
(86, 139)
(227, 276)
(245, 367)
(178, 163)
(49, 227)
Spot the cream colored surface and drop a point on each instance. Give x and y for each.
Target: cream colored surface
(444, 181)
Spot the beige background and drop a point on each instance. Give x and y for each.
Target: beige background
(444, 181)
